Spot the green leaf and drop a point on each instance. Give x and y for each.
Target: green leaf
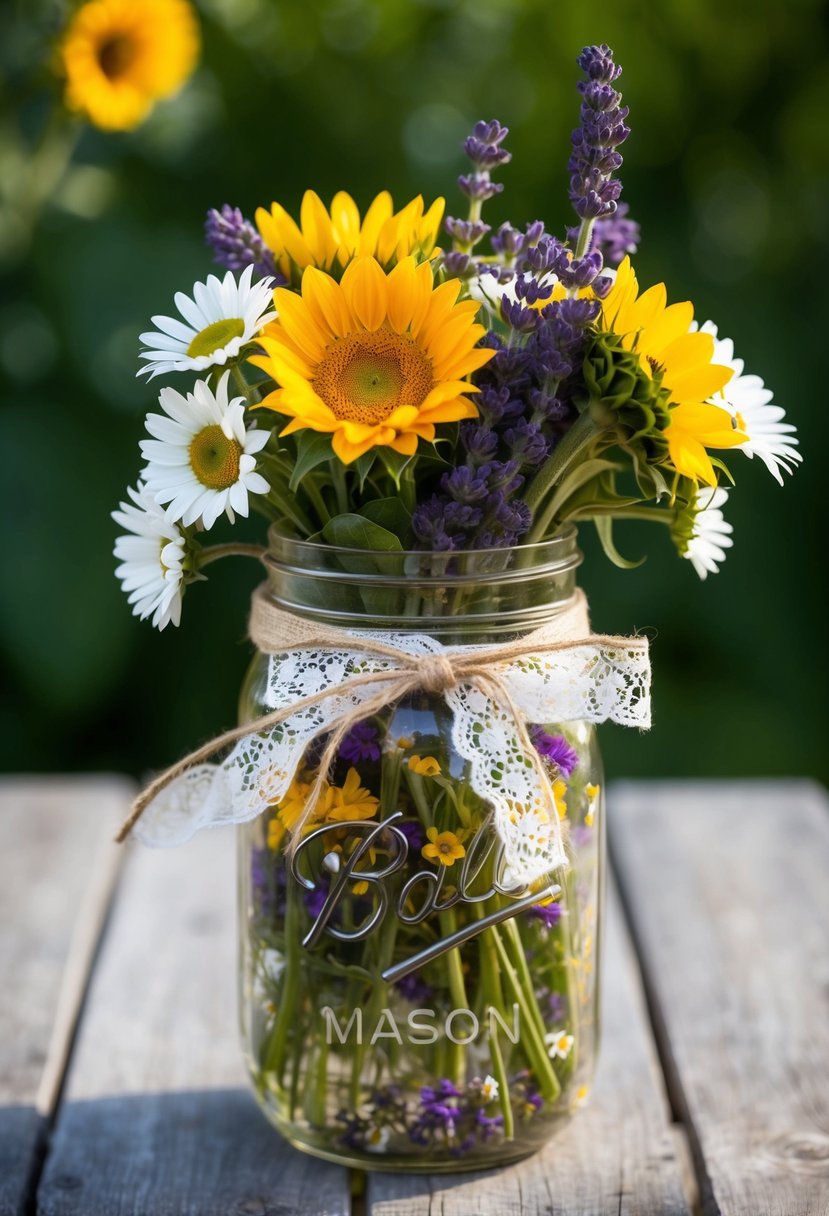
(390, 513)
(363, 465)
(356, 532)
(352, 531)
(394, 463)
(604, 528)
(313, 448)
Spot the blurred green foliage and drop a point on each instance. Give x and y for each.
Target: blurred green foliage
(727, 171)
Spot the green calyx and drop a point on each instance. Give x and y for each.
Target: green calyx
(624, 399)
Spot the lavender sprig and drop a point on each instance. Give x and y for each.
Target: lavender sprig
(594, 191)
(236, 243)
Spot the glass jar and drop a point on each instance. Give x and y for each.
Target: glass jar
(420, 1023)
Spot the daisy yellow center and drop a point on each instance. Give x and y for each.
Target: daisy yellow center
(215, 336)
(364, 377)
(115, 56)
(214, 458)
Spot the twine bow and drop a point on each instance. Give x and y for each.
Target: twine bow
(277, 632)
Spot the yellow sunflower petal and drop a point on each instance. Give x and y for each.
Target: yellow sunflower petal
(326, 302)
(297, 322)
(672, 323)
(377, 214)
(317, 229)
(364, 287)
(401, 286)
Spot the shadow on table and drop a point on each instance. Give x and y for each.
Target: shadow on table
(199, 1152)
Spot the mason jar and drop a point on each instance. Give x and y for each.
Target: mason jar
(404, 1003)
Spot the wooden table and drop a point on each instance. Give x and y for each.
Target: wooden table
(121, 1083)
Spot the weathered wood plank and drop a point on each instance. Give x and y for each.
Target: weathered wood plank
(57, 868)
(157, 1118)
(618, 1156)
(728, 890)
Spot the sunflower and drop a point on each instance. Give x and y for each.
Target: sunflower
(376, 360)
(120, 57)
(659, 334)
(338, 235)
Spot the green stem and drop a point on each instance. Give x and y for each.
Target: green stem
(251, 394)
(532, 1041)
(317, 500)
(214, 552)
(523, 971)
(457, 991)
(378, 999)
(582, 242)
(286, 1016)
(494, 998)
(581, 434)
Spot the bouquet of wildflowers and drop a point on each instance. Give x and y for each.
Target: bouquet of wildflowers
(425, 399)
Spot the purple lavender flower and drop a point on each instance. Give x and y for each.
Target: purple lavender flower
(555, 748)
(361, 744)
(236, 243)
(548, 914)
(484, 149)
(594, 191)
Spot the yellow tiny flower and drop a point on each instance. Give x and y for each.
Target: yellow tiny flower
(360, 887)
(276, 832)
(120, 57)
(404, 743)
(350, 801)
(592, 792)
(444, 847)
(425, 766)
(559, 794)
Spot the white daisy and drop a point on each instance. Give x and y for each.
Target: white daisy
(376, 1138)
(558, 1044)
(201, 460)
(152, 558)
(222, 317)
(710, 532)
(750, 403)
(489, 1090)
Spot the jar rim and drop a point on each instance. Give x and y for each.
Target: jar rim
(282, 547)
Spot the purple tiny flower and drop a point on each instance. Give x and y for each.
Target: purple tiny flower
(236, 243)
(413, 831)
(314, 900)
(548, 914)
(552, 1006)
(555, 748)
(361, 744)
(414, 989)
(581, 835)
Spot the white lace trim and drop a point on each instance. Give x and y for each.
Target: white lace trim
(592, 683)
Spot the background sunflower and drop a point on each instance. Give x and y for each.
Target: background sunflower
(726, 171)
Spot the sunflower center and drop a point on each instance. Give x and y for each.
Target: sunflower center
(364, 377)
(214, 336)
(214, 458)
(115, 56)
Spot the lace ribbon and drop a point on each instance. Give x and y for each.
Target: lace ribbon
(322, 681)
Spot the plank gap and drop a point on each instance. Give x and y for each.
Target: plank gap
(695, 1179)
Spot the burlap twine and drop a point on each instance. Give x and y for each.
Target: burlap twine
(275, 631)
